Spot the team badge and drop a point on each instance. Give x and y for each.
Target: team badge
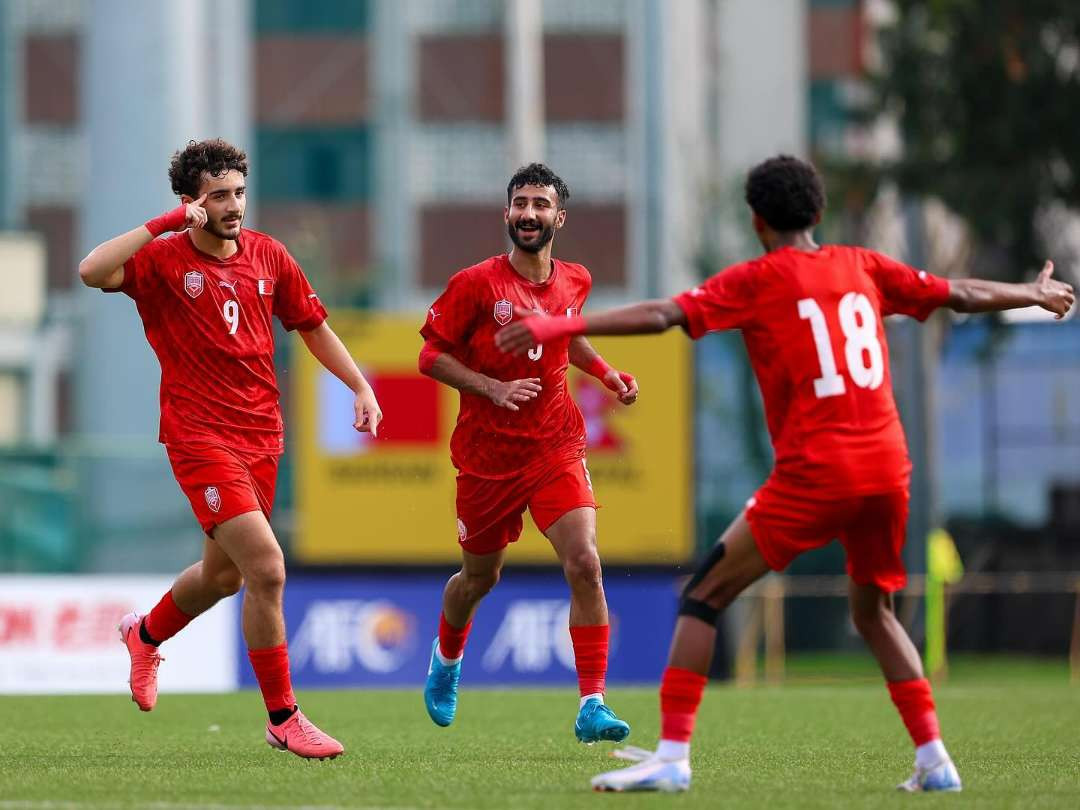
(504, 311)
(213, 499)
(193, 283)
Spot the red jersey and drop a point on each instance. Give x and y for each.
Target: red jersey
(812, 324)
(494, 442)
(209, 323)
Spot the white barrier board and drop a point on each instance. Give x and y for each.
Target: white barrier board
(58, 635)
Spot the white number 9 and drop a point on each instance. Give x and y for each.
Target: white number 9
(231, 312)
(536, 352)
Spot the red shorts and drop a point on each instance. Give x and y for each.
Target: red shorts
(489, 511)
(872, 529)
(223, 483)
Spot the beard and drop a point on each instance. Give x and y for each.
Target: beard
(544, 236)
(220, 228)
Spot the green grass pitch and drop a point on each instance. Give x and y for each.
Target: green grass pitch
(1013, 729)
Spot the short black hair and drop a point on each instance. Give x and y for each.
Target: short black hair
(537, 174)
(214, 157)
(786, 192)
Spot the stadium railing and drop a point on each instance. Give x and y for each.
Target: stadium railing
(765, 623)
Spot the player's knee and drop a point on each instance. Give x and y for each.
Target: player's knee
(478, 584)
(267, 576)
(582, 570)
(227, 582)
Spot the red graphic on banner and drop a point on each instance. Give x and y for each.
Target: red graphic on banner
(598, 405)
(410, 403)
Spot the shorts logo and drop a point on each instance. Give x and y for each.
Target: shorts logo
(193, 283)
(462, 532)
(504, 311)
(213, 499)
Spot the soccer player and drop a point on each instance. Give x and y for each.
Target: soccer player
(520, 441)
(206, 294)
(811, 317)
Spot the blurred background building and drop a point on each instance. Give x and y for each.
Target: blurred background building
(381, 134)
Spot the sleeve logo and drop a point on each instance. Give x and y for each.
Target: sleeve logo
(504, 311)
(213, 499)
(266, 286)
(193, 283)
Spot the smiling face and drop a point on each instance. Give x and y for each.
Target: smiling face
(225, 203)
(533, 216)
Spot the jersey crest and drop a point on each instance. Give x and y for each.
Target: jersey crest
(213, 499)
(193, 283)
(504, 311)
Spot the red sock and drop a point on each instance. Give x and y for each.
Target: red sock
(590, 656)
(680, 696)
(452, 639)
(166, 619)
(916, 706)
(271, 667)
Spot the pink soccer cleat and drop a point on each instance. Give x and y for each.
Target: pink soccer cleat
(145, 659)
(299, 735)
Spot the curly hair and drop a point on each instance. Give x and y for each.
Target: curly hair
(214, 157)
(786, 192)
(537, 174)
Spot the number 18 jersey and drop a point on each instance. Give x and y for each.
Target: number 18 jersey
(812, 324)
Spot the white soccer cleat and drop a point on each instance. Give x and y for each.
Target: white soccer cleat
(664, 775)
(941, 777)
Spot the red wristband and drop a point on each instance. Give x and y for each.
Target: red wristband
(544, 329)
(169, 221)
(598, 367)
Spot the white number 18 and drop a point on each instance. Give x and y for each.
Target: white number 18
(862, 349)
(231, 312)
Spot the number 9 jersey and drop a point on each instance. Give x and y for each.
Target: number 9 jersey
(209, 321)
(490, 441)
(812, 324)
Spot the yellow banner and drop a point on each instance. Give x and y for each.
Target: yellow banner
(391, 500)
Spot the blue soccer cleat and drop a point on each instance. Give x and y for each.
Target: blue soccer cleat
(940, 777)
(440, 691)
(597, 722)
(664, 775)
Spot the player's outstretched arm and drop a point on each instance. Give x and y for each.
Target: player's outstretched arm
(584, 355)
(646, 318)
(326, 347)
(103, 266)
(979, 295)
(447, 369)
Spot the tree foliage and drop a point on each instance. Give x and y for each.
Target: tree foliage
(987, 94)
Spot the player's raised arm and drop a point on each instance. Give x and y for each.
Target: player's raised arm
(645, 318)
(583, 355)
(440, 365)
(103, 266)
(326, 347)
(979, 295)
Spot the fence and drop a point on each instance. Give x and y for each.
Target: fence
(765, 623)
